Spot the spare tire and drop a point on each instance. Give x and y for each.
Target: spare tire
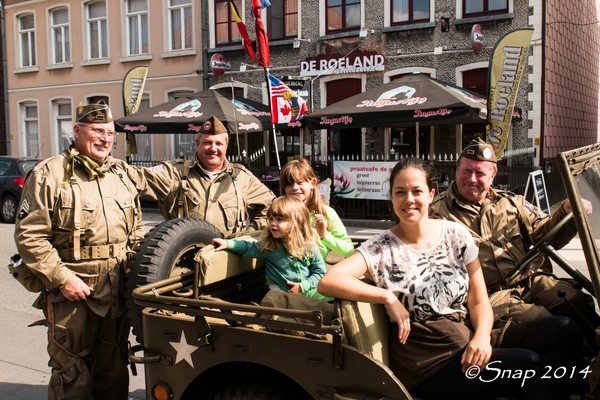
(167, 250)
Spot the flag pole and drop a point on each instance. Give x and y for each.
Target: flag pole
(271, 108)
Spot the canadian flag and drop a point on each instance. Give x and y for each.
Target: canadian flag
(286, 106)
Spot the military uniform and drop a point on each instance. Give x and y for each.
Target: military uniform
(504, 225)
(71, 225)
(233, 201)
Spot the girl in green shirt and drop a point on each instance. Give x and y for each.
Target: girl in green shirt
(297, 178)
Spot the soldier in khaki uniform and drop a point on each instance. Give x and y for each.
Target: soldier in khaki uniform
(505, 225)
(208, 187)
(78, 221)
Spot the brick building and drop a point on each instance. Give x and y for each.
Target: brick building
(62, 52)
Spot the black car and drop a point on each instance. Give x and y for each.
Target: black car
(13, 171)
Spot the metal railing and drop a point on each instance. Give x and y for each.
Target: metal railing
(513, 178)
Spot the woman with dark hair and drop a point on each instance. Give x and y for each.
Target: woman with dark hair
(427, 274)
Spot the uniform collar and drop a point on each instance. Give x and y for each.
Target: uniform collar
(459, 200)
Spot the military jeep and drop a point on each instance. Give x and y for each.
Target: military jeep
(204, 335)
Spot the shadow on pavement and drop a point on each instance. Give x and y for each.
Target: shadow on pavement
(18, 391)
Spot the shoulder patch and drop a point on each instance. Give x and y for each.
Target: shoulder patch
(24, 210)
(156, 168)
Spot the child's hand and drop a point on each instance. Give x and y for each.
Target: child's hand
(295, 288)
(321, 223)
(220, 244)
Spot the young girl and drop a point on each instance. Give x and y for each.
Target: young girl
(294, 264)
(427, 274)
(297, 178)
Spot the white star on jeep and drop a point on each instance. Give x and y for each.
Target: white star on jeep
(184, 350)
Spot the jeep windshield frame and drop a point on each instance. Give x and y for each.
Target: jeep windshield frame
(580, 172)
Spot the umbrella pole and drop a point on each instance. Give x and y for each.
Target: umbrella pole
(271, 108)
(417, 141)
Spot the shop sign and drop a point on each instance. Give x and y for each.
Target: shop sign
(357, 62)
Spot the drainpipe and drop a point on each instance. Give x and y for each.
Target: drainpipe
(4, 77)
(205, 62)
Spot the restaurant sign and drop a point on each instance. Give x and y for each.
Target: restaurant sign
(356, 62)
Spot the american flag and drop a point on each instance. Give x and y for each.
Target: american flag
(286, 106)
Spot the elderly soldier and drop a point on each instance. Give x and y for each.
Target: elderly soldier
(79, 219)
(208, 187)
(504, 226)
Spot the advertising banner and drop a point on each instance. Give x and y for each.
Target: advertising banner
(362, 179)
(507, 62)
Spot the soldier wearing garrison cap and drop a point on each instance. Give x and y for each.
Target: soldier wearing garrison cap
(505, 225)
(208, 187)
(78, 222)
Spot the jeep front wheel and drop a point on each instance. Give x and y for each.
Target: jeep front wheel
(167, 250)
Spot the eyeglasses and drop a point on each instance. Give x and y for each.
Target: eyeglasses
(99, 132)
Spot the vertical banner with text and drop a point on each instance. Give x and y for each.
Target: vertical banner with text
(507, 63)
(133, 89)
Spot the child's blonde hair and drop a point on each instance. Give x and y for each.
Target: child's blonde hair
(301, 171)
(300, 241)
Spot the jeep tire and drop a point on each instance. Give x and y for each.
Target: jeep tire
(167, 250)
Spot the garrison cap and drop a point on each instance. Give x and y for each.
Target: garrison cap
(212, 126)
(479, 150)
(94, 113)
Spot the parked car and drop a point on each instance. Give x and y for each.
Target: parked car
(13, 171)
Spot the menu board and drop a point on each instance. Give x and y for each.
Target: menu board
(536, 182)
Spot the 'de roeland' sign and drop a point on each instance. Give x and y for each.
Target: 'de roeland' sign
(357, 61)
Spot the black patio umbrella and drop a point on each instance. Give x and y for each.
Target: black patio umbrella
(186, 115)
(412, 100)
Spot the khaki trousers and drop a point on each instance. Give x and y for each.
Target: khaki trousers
(88, 353)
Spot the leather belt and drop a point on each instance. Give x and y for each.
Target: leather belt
(95, 252)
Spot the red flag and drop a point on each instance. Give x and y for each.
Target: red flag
(243, 32)
(262, 41)
(286, 106)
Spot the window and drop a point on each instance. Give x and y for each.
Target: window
(180, 20)
(282, 19)
(95, 99)
(61, 43)
(137, 26)
(27, 38)
(227, 32)
(143, 141)
(476, 8)
(97, 33)
(64, 124)
(184, 144)
(342, 15)
(474, 80)
(31, 130)
(409, 11)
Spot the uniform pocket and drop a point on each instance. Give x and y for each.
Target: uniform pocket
(68, 371)
(230, 211)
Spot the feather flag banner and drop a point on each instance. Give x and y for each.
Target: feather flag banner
(243, 32)
(262, 40)
(286, 106)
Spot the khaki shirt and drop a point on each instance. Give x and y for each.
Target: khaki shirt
(233, 202)
(500, 229)
(109, 215)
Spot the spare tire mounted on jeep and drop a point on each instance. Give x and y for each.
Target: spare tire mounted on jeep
(167, 250)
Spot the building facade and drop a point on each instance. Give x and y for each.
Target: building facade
(60, 53)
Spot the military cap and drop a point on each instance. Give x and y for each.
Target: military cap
(94, 113)
(479, 150)
(212, 126)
